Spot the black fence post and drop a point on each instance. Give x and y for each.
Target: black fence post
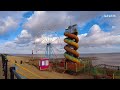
(6, 69)
(2, 60)
(4, 65)
(11, 72)
(118, 68)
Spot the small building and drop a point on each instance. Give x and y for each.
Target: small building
(43, 63)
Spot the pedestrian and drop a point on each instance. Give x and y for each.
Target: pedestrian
(15, 61)
(21, 62)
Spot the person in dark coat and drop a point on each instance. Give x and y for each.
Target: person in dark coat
(15, 61)
(21, 62)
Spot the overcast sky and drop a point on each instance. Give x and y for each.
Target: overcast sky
(24, 31)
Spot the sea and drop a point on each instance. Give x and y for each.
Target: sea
(102, 58)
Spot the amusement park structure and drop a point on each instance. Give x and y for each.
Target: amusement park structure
(49, 52)
(71, 55)
(48, 42)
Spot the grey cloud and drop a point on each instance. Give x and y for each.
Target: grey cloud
(55, 20)
(7, 24)
(15, 14)
(23, 38)
(95, 40)
(98, 38)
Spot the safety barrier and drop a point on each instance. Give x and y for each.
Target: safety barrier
(14, 73)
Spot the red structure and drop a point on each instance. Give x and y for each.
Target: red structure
(43, 63)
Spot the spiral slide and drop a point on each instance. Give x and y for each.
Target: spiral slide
(71, 47)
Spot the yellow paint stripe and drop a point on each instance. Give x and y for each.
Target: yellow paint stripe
(27, 70)
(22, 74)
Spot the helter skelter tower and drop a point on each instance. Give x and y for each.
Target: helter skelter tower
(71, 55)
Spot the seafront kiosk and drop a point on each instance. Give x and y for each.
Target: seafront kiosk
(43, 63)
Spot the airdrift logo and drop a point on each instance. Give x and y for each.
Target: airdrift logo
(110, 15)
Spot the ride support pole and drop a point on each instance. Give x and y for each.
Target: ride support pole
(65, 65)
(113, 76)
(76, 66)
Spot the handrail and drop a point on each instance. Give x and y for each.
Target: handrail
(17, 75)
(28, 70)
(14, 73)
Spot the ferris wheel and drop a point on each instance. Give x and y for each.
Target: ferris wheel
(49, 43)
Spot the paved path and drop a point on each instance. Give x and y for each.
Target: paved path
(46, 74)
